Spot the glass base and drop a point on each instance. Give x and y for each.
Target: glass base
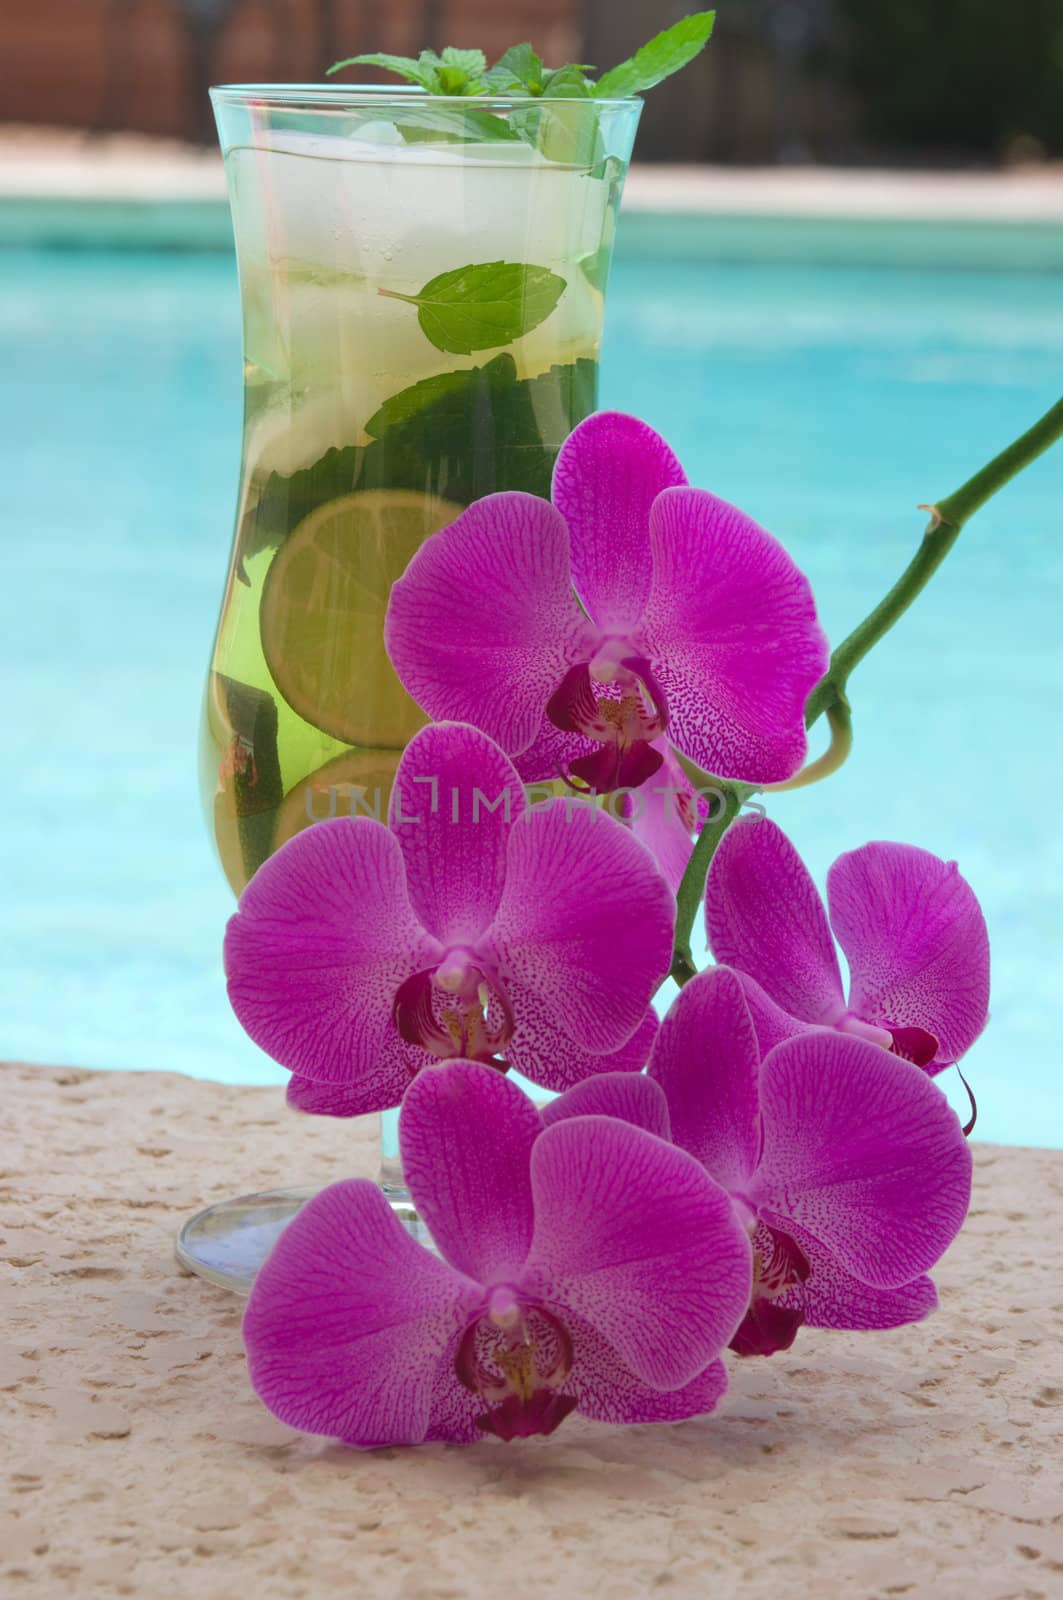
(228, 1242)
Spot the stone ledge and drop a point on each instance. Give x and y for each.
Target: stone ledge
(920, 1463)
(44, 163)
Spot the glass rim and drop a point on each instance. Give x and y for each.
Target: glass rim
(352, 95)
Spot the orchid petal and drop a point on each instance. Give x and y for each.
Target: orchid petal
(356, 1099)
(548, 757)
(542, 1050)
(610, 470)
(770, 1022)
(844, 1302)
(455, 1408)
(707, 1062)
(765, 918)
(349, 1320)
(629, 1096)
(663, 815)
(483, 624)
(609, 1392)
(731, 630)
(633, 1236)
(466, 1135)
(832, 1298)
(916, 943)
(585, 923)
(863, 1153)
(455, 798)
(323, 937)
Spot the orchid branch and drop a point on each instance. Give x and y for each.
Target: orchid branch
(947, 519)
(688, 895)
(840, 721)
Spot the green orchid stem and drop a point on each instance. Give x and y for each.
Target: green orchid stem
(688, 895)
(947, 519)
(836, 754)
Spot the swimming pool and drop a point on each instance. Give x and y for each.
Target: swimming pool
(826, 399)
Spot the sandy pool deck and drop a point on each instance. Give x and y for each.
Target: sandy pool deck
(921, 1463)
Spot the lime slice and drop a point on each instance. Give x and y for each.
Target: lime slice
(322, 613)
(357, 783)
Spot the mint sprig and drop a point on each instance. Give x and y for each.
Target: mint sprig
(455, 72)
(520, 71)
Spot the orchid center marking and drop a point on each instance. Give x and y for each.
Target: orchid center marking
(455, 1012)
(779, 1264)
(624, 719)
(516, 1358)
(912, 1044)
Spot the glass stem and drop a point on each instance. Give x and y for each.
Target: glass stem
(390, 1177)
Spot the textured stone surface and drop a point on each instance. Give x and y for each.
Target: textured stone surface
(921, 1463)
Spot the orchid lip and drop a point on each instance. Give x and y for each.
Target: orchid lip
(446, 1012)
(516, 1356)
(779, 1264)
(914, 1044)
(624, 722)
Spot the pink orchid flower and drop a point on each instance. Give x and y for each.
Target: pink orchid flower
(848, 1167)
(470, 926)
(631, 610)
(910, 926)
(587, 1267)
(667, 815)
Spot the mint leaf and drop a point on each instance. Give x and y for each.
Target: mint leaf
(481, 307)
(472, 62)
(455, 72)
(519, 68)
(610, 170)
(444, 125)
(565, 134)
(595, 267)
(568, 83)
(404, 66)
(458, 436)
(447, 390)
(665, 54)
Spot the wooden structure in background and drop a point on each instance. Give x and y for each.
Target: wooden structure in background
(765, 90)
(145, 65)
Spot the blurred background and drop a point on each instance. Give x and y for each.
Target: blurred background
(902, 81)
(837, 291)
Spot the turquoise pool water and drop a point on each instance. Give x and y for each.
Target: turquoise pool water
(827, 400)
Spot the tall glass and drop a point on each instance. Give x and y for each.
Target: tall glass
(423, 290)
